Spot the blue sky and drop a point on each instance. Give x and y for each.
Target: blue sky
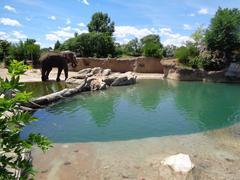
(48, 21)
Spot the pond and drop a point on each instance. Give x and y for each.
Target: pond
(151, 108)
(43, 88)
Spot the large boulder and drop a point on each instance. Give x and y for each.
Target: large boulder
(94, 84)
(106, 72)
(179, 163)
(125, 79)
(97, 70)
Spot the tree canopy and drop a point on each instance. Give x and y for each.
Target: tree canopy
(101, 23)
(223, 33)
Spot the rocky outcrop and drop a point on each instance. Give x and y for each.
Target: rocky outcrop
(231, 74)
(90, 79)
(99, 79)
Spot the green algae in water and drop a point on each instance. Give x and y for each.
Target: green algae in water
(151, 108)
(43, 88)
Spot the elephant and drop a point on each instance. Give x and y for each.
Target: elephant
(58, 60)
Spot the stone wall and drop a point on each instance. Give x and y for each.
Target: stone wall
(140, 65)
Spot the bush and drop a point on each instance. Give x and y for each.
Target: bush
(12, 120)
(152, 50)
(182, 54)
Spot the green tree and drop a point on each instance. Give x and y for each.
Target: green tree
(101, 23)
(57, 45)
(152, 38)
(133, 48)
(151, 46)
(199, 36)
(4, 48)
(223, 34)
(13, 148)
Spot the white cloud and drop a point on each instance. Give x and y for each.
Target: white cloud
(52, 18)
(187, 27)
(124, 31)
(9, 22)
(81, 24)
(13, 36)
(68, 21)
(3, 35)
(203, 11)
(168, 37)
(85, 2)
(192, 14)
(19, 35)
(10, 8)
(52, 37)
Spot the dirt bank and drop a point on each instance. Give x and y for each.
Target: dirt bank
(215, 155)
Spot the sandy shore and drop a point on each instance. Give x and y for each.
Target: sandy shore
(34, 75)
(216, 154)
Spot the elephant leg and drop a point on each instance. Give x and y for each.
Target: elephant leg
(58, 74)
(48, 72)
(44, 74)
(66, 73)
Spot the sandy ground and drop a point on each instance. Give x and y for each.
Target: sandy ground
(216, 154)
(34, 75)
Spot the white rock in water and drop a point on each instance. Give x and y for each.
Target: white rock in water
(179, 163)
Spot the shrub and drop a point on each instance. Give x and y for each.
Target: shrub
(182, 54)
(12, 120)
(152, 50)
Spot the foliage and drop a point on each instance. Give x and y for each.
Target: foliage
(152, 38)
(151, 49)
(223, 33)
(90, 45)
(4, 48)
(12, 120)
(151, 46)
(27, 50)
(57, 45)
(101, 23)
(169, 51)
(199, 36)
(184, 54)
(119, 50)
(133, 48)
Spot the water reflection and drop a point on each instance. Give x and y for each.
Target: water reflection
(207, 104)
(43, 88)
(150, 108)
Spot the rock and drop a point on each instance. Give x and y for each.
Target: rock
(75, 80)
(109, 79)
(106, 72)
(179, 163)
(125, 79)
(96, 70)
(94, 84)
(85, 71)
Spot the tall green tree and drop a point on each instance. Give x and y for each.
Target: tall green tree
(223, 33)
(151, 46)
(102, 23)
(4, 48)
(133, 48)
(57, 45)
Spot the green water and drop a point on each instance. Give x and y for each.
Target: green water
(151, 108)
(44, 88)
